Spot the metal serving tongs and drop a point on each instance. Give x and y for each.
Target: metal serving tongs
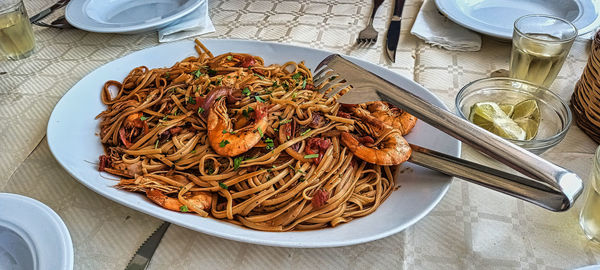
(546, 184)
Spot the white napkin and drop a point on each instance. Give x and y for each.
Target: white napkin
(437, 30)
(196, 23)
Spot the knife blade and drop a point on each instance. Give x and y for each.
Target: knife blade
(143, 255)
(393, 33)
(44, 13)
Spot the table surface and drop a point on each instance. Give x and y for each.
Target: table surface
(471, 228)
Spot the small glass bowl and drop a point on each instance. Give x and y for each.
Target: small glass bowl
(555, 113)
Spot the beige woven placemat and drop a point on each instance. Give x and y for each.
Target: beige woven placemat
(105, 234)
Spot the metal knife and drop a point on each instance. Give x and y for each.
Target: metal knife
(143, 255)
(393, 33)
(44, 13)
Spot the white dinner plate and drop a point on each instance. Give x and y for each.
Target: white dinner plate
(126, 16)
(32, 236)
(496, 17)
(72, 138)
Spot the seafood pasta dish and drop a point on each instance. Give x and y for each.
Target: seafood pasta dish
(230, 138)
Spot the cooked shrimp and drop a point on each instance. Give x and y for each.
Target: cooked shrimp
(228, 142)
(392, 116)
(132, 127)
(393, 149)
(200, 200)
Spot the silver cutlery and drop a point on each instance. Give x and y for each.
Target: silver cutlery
(60, 23)
(368, 35)
(44, 13)
(393, 33)
(144, 254)
(544, 183)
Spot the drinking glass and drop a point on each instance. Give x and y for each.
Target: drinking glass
(540, 46)
(590, 213)
(16, 35)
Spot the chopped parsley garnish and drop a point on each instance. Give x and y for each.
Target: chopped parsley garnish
(260, 131)
(143, 118)
(191, 100)
(301, 179)
(200, 110)
(304, 133)
(219, 80)
(283, 122)
(296, 76)
(259, 76)
(246, 91)
(219, 98)
(211, 170)
(259, 99)
(167, 75)
(224, 131)
(184, 209)
(275, 129)
(229, 57)
(312, 156)
(223, 186)
(285, 85)
(223, 143)
(237, 162)
(270, 143)
(294, 95)
(304, 84)
(197, 73)
(165, 118)
(274, 84)
(246, 113)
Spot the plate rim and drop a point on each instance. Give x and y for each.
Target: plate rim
(474, 25)
(268, 242)
(48, 214)
(76, 7)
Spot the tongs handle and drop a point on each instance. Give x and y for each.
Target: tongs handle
(547, 177)
(492, 178)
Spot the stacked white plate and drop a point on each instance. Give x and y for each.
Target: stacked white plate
(32, 236)
(127, 16)
(496, 17)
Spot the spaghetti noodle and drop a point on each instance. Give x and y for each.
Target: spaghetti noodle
(227, 137)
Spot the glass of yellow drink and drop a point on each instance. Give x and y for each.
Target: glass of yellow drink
(16, 35)
(540, 45)
(590, 213)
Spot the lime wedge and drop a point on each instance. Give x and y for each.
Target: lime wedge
(508, 109)
(491, 117)
(527, 115)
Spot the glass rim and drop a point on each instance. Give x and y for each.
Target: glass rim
(546, 40)
(597, 158)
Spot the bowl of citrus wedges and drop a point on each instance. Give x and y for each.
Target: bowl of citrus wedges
(523, 113)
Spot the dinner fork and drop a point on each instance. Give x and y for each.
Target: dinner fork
(368, 35)
(544, 184)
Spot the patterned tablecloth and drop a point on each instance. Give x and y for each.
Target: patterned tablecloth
(472, 227)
